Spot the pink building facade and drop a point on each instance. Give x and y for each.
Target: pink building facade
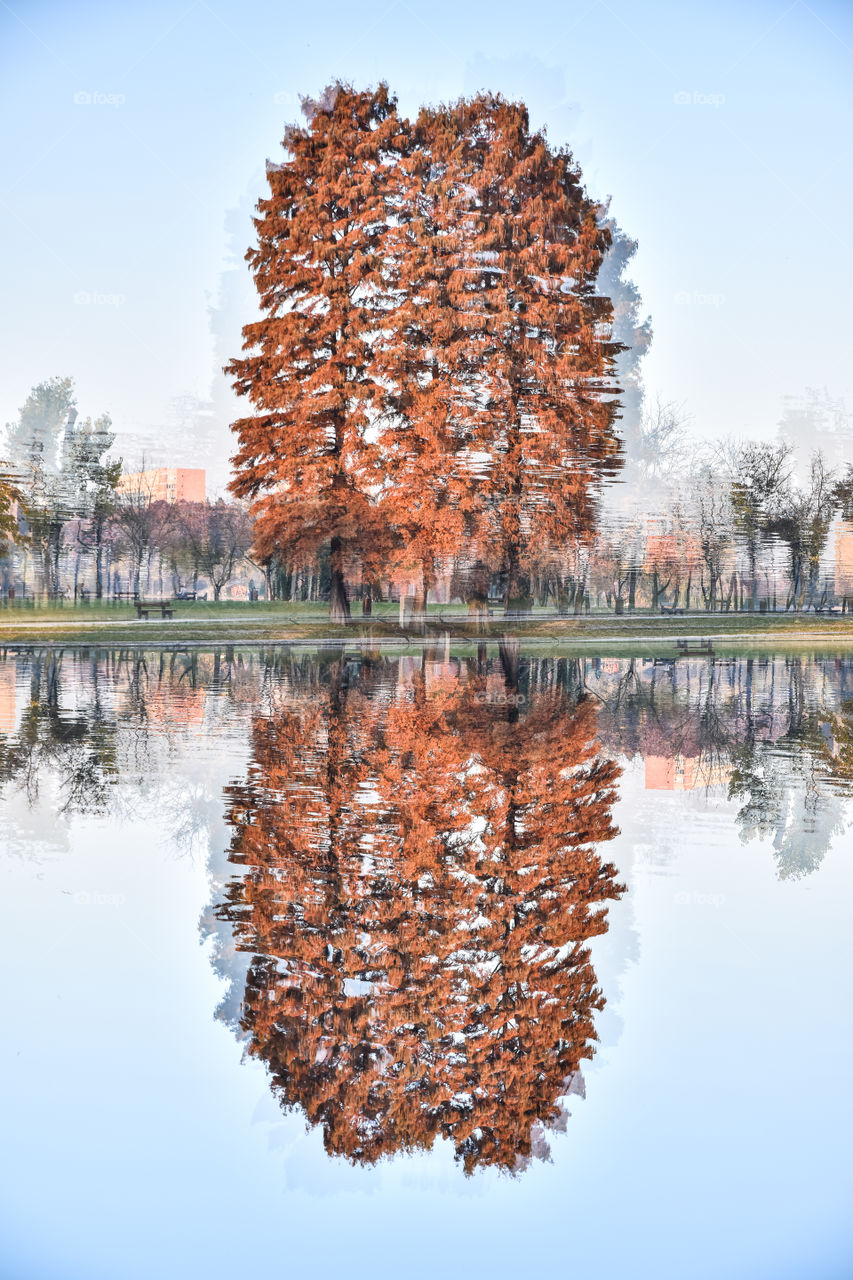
(166, 484)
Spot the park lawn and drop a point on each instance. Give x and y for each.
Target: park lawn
(229, 622)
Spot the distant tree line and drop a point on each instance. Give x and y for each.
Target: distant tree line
(728, 527)
(68, 529)
(731, 527)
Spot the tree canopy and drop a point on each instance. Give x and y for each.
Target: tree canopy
(434, 360)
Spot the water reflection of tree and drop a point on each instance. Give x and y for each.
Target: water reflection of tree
(78, 746)
(789, 787)
(420, 880)
(106, 725)
(771, 728)
(775, 731)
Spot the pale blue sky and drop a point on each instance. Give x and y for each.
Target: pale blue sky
(740, 196)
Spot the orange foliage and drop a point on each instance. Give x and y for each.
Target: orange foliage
(433, 377)
(306, 456)
(510, 392)
(420, 881)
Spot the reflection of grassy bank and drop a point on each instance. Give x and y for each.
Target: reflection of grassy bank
(206, 622)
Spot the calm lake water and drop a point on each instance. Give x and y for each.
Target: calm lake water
(476, 963)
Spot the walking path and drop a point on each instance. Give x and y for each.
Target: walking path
(648, 632)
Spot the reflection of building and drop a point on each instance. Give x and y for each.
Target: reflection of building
(8, 710)
(166, 484)
(844, 559)
(672, 550)
(684, 773)
(165, 706)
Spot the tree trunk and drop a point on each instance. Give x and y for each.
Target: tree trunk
(50, 559)
(509, 652)
(339, 610)
(518, 598)
(517, 589)
(422, 597)
(56, 538)
(99, 563)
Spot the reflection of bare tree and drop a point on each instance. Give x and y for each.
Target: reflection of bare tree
(783, 799)
(788, 787)
(772, 729)
(420, 880)
(78, 745)
(106, 726)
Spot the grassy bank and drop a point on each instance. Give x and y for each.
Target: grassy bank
(231, 622)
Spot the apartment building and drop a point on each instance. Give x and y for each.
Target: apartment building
(166, 484)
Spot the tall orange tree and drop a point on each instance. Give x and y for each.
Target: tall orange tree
(505, 360)
(307, 455)
(433, 376)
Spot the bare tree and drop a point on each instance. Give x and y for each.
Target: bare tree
(662, 444)
(713, 515)
(218, 535)
(803, 525)
(145, 523)
(759, 480)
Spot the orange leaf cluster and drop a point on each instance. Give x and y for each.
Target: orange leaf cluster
(433, 375)
(421, 878)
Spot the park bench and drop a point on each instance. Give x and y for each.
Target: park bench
(670, 608)
(144, 607)
(126, 595)
(683, 647)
